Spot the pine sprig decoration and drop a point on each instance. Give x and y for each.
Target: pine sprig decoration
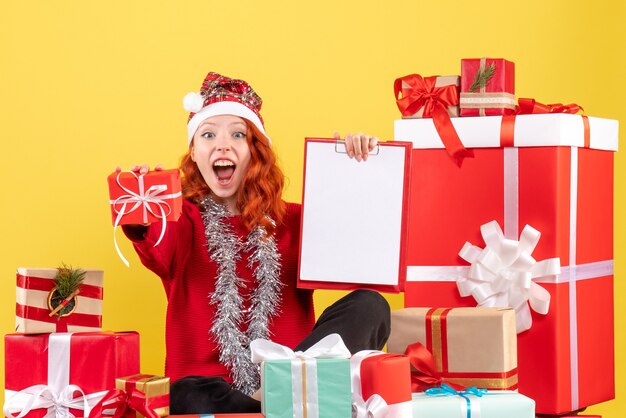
(67, 280)
(482, 78)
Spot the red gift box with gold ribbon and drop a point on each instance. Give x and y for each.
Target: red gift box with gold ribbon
(487, 87)
(146, 395)
(553, 172)
(458, 346)
(33, 309)
(50, 373)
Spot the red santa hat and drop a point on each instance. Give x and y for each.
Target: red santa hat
(221, 95)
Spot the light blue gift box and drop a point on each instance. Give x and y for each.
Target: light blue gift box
(327, 379)
(492, 404)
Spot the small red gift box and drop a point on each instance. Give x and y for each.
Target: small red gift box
(487, 87)
(556, 177)
(145, 198)
(386, 375)
(34, 289)
(65, 370)
(153, 394)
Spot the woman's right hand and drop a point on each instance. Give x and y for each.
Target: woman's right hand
(138, 229)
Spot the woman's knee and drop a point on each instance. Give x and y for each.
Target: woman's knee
(371, 308)
(370, 303)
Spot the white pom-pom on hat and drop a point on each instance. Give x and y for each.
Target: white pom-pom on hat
(193, 102)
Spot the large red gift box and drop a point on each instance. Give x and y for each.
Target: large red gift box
(145, 198)
(32, 310)
(558, 178)
(43, 367)
(496, 95)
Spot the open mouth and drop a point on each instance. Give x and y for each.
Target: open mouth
(224, 170)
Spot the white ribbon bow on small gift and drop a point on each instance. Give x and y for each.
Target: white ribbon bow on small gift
(304, 391)
(502, 274)
(331, 346)
(143, 200)
(375, 407)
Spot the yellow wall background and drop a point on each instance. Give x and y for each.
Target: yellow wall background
(85, 86)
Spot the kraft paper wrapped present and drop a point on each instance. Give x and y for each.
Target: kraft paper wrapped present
(381, 385)
(472, 403)
(487, 87)
(470, 346)
(33, 307)
(554, 173)
(415, 95)
(47, 373)
(315, 382)
(435, 98)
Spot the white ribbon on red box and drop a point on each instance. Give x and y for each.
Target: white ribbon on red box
(569, 274)
(57, 396)
(142, 199)
(502, 274)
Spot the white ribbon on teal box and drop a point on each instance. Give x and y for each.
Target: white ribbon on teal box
(312, 384)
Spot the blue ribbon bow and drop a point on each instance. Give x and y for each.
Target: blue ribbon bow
(447, 390)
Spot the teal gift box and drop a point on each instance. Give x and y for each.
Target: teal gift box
(483, 404)
(310, 384)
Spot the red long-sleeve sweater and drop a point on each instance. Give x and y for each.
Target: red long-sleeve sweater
(188, 274)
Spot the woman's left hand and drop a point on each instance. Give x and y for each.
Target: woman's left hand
(358, 145)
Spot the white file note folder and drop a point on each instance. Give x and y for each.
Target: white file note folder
(353, 215)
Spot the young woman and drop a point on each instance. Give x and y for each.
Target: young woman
(229, 264)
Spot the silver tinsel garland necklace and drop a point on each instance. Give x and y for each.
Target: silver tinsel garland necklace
(225, 250)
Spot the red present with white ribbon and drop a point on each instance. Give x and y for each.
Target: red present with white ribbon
(144, 198)
(553, 172)
(381, 385)
(32, 308)
(53, 375)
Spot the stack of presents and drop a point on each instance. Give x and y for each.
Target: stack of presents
(494, 217)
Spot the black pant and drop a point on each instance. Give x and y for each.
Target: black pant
(362, 318)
